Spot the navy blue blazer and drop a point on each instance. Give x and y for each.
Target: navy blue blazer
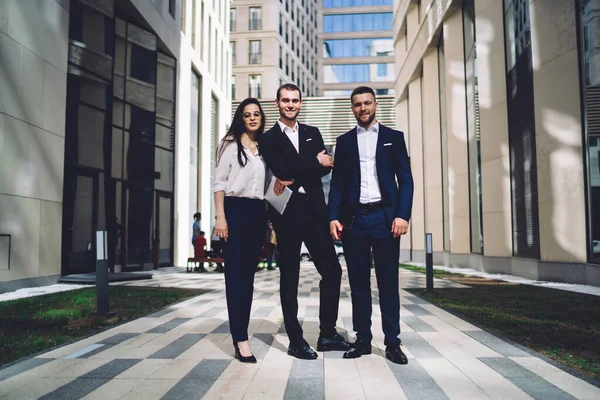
(393, 173)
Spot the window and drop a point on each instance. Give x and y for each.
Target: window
(357, 22)
(143, 64)
(590, 85)
(359, 73)
(281, 57)
(233, 87)
(355, 3)
(358, 47)
(232, 19)
(254, 86)
(473, 134)
(232, 51)
(521, 130)
(280, 24)
(172, 4)
(255, 19)
(183, 14)
(255, 52)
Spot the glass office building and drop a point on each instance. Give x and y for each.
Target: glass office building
(356, 47)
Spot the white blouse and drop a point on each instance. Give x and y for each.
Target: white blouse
(238, 181)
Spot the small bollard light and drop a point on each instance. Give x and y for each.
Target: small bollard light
(429, 262)
(101, 244)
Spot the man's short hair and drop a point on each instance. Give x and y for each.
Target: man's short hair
(288, 86)
(362, 90)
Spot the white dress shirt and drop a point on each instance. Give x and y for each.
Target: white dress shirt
(238, 181)
(367, 148)
(292, 134)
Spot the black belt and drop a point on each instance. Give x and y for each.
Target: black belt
(376, 205)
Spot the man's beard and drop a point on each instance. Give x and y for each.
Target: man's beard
(282, 114)
(369, 121)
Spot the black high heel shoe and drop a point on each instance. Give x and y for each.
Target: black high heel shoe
(250, 359)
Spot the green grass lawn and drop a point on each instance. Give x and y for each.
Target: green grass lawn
(33, 324)
(561, 325)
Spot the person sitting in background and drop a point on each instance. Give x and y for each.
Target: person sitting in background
(199, 249)
(217, 249)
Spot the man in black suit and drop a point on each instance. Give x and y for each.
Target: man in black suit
(296, 153)
(370, 203)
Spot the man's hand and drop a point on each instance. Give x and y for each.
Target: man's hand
(325, 159)
(399, 227)
(335, 228)
(280, 185)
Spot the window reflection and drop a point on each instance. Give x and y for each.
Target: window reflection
(128, 161)
(356, 3)
(359, 73)
(357, 22)
(358, 47)
(590, 23)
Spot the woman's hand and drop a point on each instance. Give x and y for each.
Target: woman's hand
(221, 228)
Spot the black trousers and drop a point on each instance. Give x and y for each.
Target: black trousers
(298, 224)
(370, 231)
(246, 220)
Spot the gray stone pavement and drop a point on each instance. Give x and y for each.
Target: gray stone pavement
(185, 352)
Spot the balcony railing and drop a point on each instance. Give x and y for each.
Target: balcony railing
(255, 24)
(255, 58)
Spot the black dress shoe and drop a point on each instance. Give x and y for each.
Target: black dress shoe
(335, 343)
(250, 359)
(395, 354)
(359, 349)
(302, 351)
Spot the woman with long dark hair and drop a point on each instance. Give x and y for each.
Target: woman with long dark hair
(241, 215)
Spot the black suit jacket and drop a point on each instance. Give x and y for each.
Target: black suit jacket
(303, 166)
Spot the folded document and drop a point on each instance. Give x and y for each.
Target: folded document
(278, 202)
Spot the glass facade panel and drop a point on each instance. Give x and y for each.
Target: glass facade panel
(356, 3)
(337, 93)
(521, 130)
(347, 73)
(118, 162)
(589, 21)
(357, 22)
(474, 147)
(358, 47)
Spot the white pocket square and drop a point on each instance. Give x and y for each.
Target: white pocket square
(309, 139)
(387, 144)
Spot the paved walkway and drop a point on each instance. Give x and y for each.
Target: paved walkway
(185, 352)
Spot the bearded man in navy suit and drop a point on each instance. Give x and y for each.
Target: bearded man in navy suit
(370, 203)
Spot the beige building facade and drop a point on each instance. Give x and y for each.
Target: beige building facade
(273, 42)
(498, 99)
